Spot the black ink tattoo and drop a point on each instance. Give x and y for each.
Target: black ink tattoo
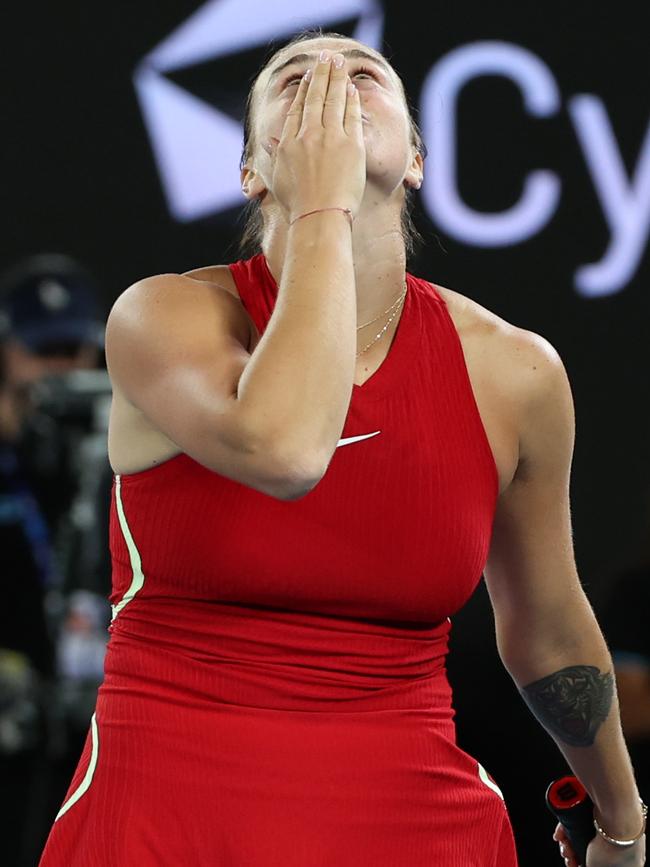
(572, 703)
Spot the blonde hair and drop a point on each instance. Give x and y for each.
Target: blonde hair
(250, 241)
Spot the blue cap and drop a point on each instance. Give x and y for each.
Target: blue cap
(51, 299)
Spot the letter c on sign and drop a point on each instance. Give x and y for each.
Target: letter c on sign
(438, 111)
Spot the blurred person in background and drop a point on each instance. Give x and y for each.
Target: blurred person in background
(50, 306)
(26, 649)
(51, 632)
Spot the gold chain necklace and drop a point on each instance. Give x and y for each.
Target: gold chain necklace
(399, 300)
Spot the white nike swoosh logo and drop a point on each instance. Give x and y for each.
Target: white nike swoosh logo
(347, 440)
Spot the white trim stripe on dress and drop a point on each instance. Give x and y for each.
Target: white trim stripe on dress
(488, 782)
(84, 785)
(137, 580)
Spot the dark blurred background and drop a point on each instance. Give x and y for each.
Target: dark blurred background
(120, 149)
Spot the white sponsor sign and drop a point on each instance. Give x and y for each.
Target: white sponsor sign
(625, 201)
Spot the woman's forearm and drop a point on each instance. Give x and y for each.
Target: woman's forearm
(297, 385)
(571, 690)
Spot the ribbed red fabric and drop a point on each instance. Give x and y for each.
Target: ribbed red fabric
(275, 692)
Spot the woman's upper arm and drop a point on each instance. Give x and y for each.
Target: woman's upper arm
(176, 347)
(531, 572)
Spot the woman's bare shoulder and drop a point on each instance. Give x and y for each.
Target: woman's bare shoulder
(468, 314)
(510, 347)
(220, 275)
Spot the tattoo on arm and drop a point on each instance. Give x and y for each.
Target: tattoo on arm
(572, 703)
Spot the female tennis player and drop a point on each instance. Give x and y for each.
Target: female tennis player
(317, 454)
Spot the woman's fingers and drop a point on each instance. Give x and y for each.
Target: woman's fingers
(566, 852)
(293, 120)
(312, 115)
(352, 122)
(559, 833)
(335, 99)
(324, 99)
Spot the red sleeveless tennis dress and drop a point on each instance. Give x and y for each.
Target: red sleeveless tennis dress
(275, 691)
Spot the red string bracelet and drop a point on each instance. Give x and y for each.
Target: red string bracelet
(346, 211)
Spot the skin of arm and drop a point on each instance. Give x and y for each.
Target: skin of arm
(298, 381)
(548, 636)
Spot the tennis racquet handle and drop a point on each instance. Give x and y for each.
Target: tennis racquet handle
(569, 802)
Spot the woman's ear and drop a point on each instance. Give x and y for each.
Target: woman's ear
(415, 173)
(252, 183)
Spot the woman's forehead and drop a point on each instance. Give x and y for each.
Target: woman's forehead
(314, 46)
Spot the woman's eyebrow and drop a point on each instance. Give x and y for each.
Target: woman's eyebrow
(302, 58)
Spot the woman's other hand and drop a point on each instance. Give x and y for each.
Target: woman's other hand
(600, 853)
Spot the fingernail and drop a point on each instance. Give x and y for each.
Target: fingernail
(339, 60)
(308, 75)
(324, 55)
